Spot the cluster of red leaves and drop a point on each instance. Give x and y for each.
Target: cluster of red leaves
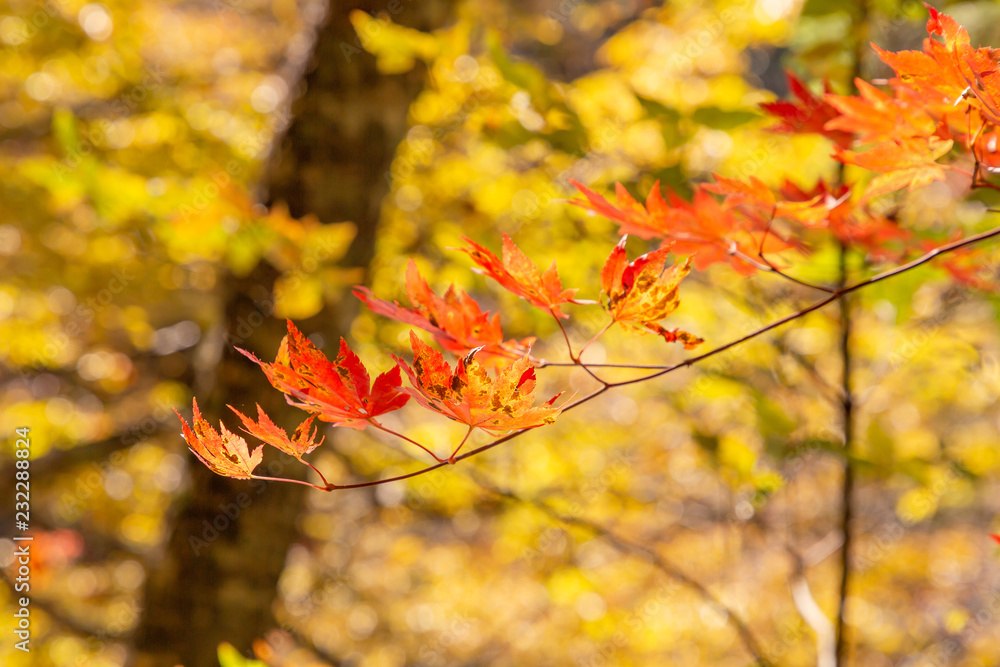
(947, 94)
(944, 96)
(639, 294)
(733, 230)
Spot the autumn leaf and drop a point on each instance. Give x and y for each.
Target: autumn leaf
(904, 163)
(456, 321)
(468, 395)
(644, 291)
(302, 441)
(873, 115)
(762, 206)
(340, 392)
(223, 453)
(810, 113)
(996, 538)
(702, 228)
(518, 274)
(949, 72)
(852, 223)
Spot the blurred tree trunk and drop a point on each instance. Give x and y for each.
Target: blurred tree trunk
(218, 578)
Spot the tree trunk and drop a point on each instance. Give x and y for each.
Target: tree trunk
(218, 578)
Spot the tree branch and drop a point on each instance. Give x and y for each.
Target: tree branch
(625, 545)
(847, 488)
(837, 295)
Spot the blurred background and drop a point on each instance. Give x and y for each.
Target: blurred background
(179, 176)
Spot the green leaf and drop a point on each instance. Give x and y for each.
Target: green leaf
(720, 119)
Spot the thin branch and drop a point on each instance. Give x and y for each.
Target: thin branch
(839, 294)
(627, 546)
(766, 266)
(293, 481)
(593, 340)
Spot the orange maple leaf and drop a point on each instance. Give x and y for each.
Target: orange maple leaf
(223, 453)
(468, 394)
(904, 163)
(874, 115)
(762, 206)
(809, 114)
(950, 72)
(518, 274)
(302, 441)
(642, 292)
(340, 392)
(703, 228)
(851, 223)
(456, 320)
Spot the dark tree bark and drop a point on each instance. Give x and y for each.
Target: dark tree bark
(218, 578)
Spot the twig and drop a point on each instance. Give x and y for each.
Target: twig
(627, 546)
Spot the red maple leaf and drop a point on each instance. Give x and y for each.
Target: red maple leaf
(468, 395)
(809, 114)
(518, 274)
(761, 206)
(340, 392)
(642, 292)
(455, 320)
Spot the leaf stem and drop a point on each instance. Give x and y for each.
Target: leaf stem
(451, 459)
(380, 427)
(316, 470)
(293, 481)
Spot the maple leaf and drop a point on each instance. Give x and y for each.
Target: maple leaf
(851, 223)
(810, 114)
(518, 274)
(468, 394)
(950, 72)
(702, 228)
(302, 441)
(763, 205)
(456, 320)
(340, 392)
(996, 538)
(223, 453)
(904, 163)
(644, 291)
(874, 115)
